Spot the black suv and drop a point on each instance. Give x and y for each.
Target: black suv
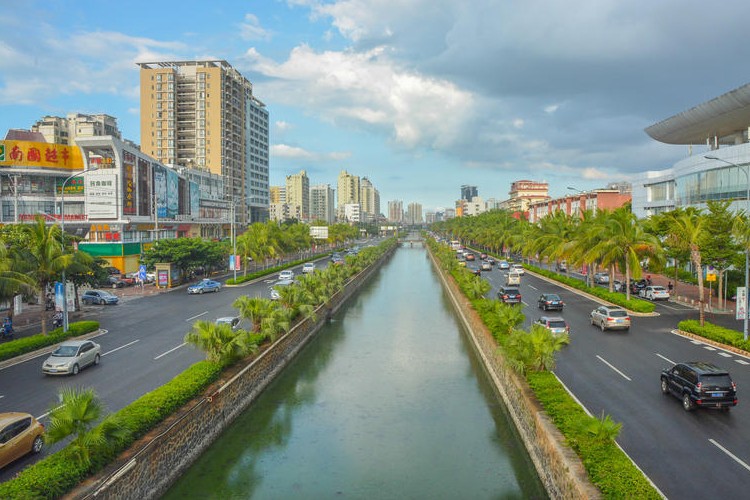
(700, 384)
(550, 302)
(509, 295)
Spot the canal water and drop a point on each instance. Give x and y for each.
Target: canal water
(388, 401)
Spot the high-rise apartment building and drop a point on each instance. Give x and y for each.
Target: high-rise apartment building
(468, 192)
(277, 194)
(347, 189)
(298, 194)
(369, 198)
(322, 203)
(202, 114)
(414, 213)
(395, 211)
(59, 130)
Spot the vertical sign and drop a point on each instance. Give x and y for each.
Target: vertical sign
(128, 183)
(741, 302)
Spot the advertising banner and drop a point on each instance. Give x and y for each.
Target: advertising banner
(128, 183)
(195, 200)
(173, 194)
(144, 193)
(74, 186)
(101, 196)
(741, 302)
(40, 154)
(160, 189)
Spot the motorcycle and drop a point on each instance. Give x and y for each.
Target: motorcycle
(6, 331)
(57, 320)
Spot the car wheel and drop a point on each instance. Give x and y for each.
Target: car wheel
(601, 325)
(592, 320)
(664, 386)
(37, 445)
(100, 302)
(687, 403)
(75, 369)
(200, 292)
(97, 359)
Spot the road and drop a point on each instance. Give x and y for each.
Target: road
(700, 454)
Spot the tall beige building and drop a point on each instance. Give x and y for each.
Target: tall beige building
(348, 189)
(277, 194)
(321, 203)
(369, 198)
(202, 114)
(414, 213)
(298, 194)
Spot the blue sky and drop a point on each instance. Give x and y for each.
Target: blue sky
(420, 96)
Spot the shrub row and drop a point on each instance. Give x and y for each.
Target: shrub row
(606, 465)
(716, 333)
(59, 473)
(23, 345)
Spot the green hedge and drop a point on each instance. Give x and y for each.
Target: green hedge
(28, 344)
(716, 333)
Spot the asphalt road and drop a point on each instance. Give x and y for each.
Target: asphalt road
(702, 454)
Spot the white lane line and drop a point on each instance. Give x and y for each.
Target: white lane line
(725, 354)
(173, 349)
(709, 348)
(1, 397)
(197, 316)
(741, 361)
(45, 414)
(696, 342)
(615, 369)
(731, 455)
(665, 359)
(121, 347)
(532, 287)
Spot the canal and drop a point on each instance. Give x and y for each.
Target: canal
(388, 401)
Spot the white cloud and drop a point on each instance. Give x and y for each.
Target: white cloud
(518, 123)
(551, 108)
(297, 153)
(282, 126)
(252, 30)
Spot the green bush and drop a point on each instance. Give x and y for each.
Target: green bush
(28, 344)
(716, 333)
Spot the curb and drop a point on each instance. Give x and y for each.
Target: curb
(714, 343)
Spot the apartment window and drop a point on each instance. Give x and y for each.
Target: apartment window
(158, 105)
(158, 77)
(171, 95)
(158, 86)
(170, 77)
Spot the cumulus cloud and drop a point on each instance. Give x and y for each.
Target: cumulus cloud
(282, 126)
(297, 153)
(251, 29)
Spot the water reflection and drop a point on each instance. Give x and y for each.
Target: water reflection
(387, 402)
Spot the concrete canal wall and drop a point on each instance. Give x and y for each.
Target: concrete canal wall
(159, 458)
(559, 468)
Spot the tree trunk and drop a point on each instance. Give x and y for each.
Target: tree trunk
(696, 256)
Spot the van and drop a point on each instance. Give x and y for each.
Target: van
(513, 278)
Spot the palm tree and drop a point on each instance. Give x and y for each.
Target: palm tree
(687, 230)
(534, 350)
(255, 310)
(220, 343)
(79, 411)
(12, 282)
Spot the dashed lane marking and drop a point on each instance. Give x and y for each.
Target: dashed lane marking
(725, 354)
(741, 361)
(665, 358)
(169, 351)
(709, 348)
(196, 316)
(121, 347)
(613, 367)
(730, 454)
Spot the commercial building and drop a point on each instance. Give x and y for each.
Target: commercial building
(609, 198)
(59, 130)
(298, 194)
(523, 193)
(202, 114)
(322, 205)
(717, 165)
(468, 192)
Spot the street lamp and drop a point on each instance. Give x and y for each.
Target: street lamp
(744, 170)
(62, 241)
(576, 189)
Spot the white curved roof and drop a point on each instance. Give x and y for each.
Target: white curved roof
(722, 116)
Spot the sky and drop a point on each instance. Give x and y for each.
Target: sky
(420, 96)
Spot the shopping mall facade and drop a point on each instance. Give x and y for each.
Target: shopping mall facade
(110, 194)
(718, 163)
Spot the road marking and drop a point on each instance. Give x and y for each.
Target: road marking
(45, 414)
(731, 455)
(615, 369)
(532, 287)
(173, 349)
(741, 361)
(725, 354)
(1, 397)
(681, 308)
(665, 359)
(197, 316)
(121, 347)
(696, 342)
(709, 348)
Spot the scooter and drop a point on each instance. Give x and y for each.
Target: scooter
(57, 320)
(6, 331)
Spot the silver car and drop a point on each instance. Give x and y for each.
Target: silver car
(71, 356)
(610, 318)
(232, 321)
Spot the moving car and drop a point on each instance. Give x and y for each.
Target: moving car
(71, 356)
(99, 297)
(550, 302)
(204, 286)
(470, 256)
(308, 267)
(274, 291)
(513, 278)
(610, 318)
(486, 266)
(509, 295)
(474, 270)
(517, 268)
(554, 324)
(700, 384)
(654, 292)
(601, 278)
(286, 274)
(232, 321)
(503, 265)
(20, 434)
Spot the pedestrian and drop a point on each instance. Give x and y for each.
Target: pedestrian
(670, 287)
(648, 279)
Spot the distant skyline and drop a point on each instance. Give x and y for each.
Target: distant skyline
(419, 96)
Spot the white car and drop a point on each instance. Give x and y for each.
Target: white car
(654, 292)
(309, 267)
(232, 321)
(517, 268)
(286, 274)
(71, 356)
(275, 295)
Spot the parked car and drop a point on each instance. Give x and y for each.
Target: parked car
(517, 268)
(462, 263)
(513, 278)
(601, 278)
(204, 286)
(637, 286)
(700, 384)
(115, 281)
(509, 295)
(99, 297)
(554, 324)
(610, 318)
(20, 434)
(618, 286)
(503, 265)
(491, 260)
(308, 267)
(550, 302)
(486, 266)
(71, 356)
(232, 321)
(274, 289)
(654, 292)
(286, 274)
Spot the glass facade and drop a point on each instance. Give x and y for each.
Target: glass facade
(726, 183)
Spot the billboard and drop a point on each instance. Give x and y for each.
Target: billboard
(40, 154)
(144, 187)
(128, 183)
(195, 200)
(73, 187)
(101, 196)
(173, 194)
(160, 190)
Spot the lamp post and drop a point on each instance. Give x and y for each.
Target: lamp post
(744, 170)
(62, 241)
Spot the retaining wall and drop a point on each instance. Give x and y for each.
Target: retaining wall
(158, 459)
(559, 468)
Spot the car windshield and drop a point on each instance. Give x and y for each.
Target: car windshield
(658, 288)
(618, 313)
(511, 291)
(65, 351)
(553, 297)
(557, 324)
